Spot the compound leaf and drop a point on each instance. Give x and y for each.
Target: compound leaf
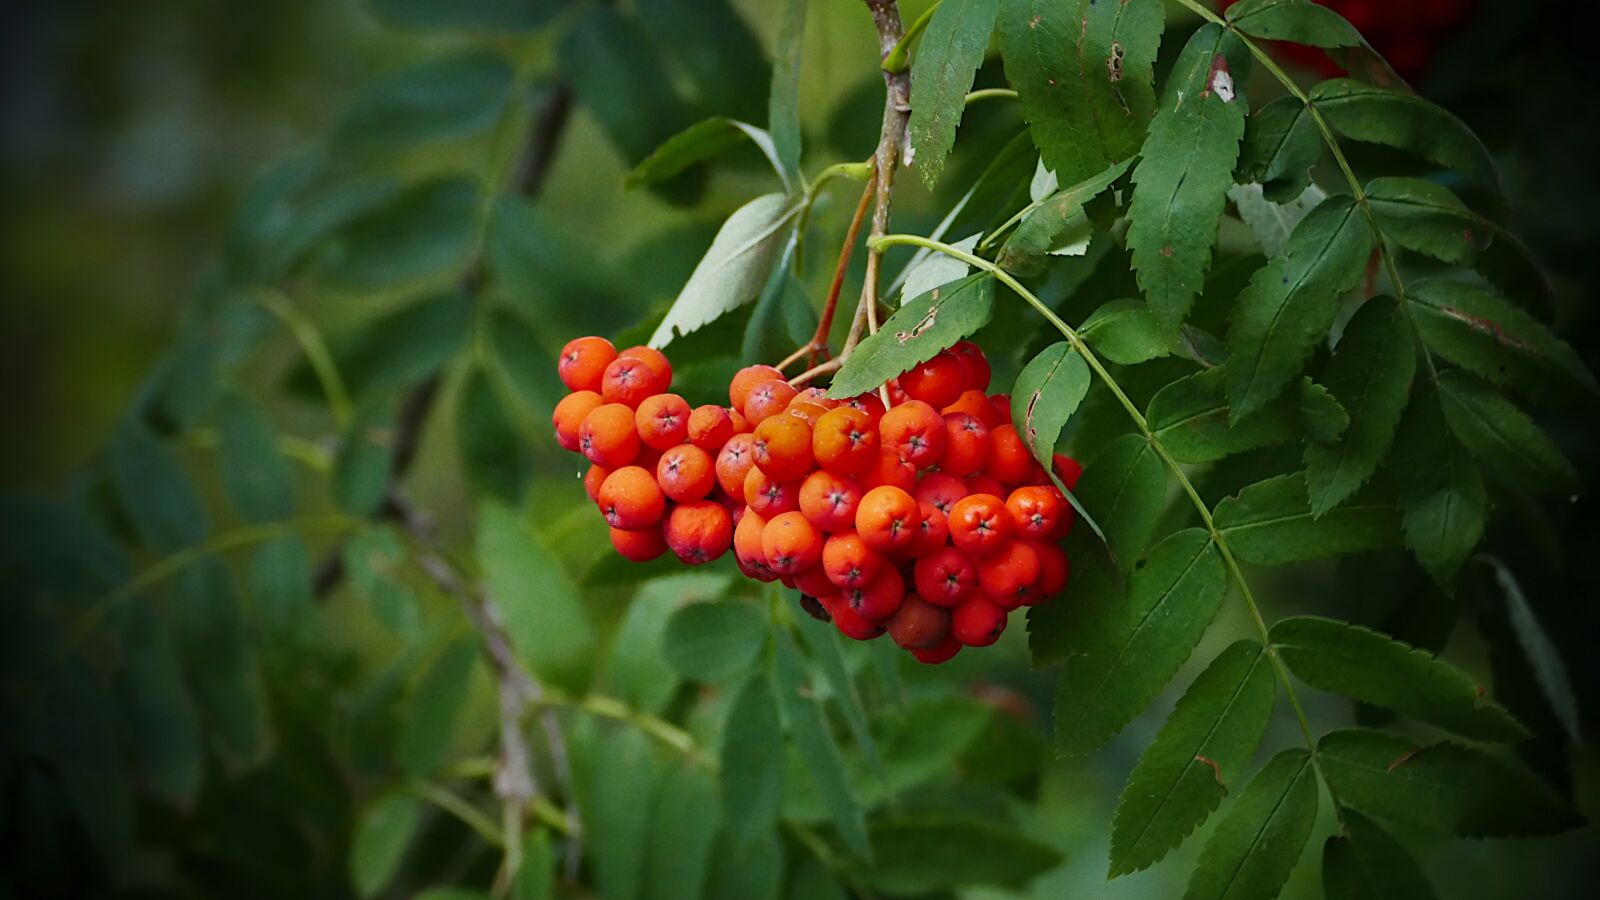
(921, 855)
(1405, 121)
(1501, 436)
(1257, 844)
(947, 59)
(916, 333)
(1365, 863)
(1442, 496)
(1046, 394)
(734, 269)
(1271, 523)
(1125, 487)
(1281, 144)
(1490, 337)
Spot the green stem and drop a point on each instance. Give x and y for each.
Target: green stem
(899, 58)
(307, 453)
(1138, 418)
(314, 347)
(1331, 140)
(458, 806)
(989, 94)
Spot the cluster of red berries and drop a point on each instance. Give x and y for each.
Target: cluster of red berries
(929, 520)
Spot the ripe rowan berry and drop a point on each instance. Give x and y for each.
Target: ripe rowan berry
(791, 543)
(639, 546)
(814, 582)
(937, 382)
(966, 446)
(869, 404)
(974, 365)
(940, 489)
(1010, 461)
(592, 479)
(946, 649)
(850, 623)
(631, 499)
(980, 525)
(740, 423)
(888, 469)
(607, 436)
(734, 461)
(583, 362)
(766, 399)
(745, 380)
(879, 597)
(805, 410)
(932, 531)
(662, 421)
(984, 483)
(1067, 469)
(629, 380)
(769, 497)
(655, 359)
(887, 519)
(747, 547)
(915, 432)
(686, 473)
(977, 622)
(844, 441)
(999, 411)
(569, 415)
(945, 577)
(849, 562)
(973, 403)
(918, 625)
(783, 447)
(1036, 510)
(699, 532)
(710, 426)
(830, 500)
(1005, 576)
(1053, 571)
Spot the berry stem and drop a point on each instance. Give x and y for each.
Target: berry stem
(819, 341)
(896, 115)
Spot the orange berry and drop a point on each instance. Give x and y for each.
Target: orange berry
(966, 446)
(607, 436)
(848, 561)
(740, 423)
(977, 622)
(1067, 469)
(974, 365)
(945, 577)
(984, 483)
(918, 625)
(844, 441)
(631, 499)
(653, 358)
(980, 525)
(735, 460)
(850, 623)
(770, 497)
(1036, 509)
(973, 403)
(791, 543)
(805, 410)
(879, 597)
(583, 362)
(932, 530)
(766, 399)
(889, 470)
(747, 547)
(629, 380)
(1053, 571)
(915, 432)
(869, 404)
(686, 473)
(592, 480)
(830, 500)
(1009, 458)
(639, 546)
(814, 582)
(569, 415)
(710, 426)
(699, 532)
(946, 649)
(1007, 575)
(783, 447)
(745, 380)
(887, 519)
(938, 382)
(819, 396)
(999, 411)
(662, 421)
(940, 489)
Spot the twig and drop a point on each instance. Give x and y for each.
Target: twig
(819, 341)
(896, 114)
(822, 368)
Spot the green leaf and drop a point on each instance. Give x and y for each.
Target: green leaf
(291, 210)
(1271, 223)
(1041, 229)
(714, 642)
(540, 265)
(682, 834)
(438, 99)
(490, 15)
(823, 641)
(396, 350)
(1300, 21)
(1084, 75)
(1405, 121)
(164, 728)
(537, 877)
(1442, 495)
(1123, 653)
(1365, 863)
(1257, 844)
(1443, 787)
(782, 318)
(1185, 168)
(1290, 304)
(916, 333)
(1182, 777)
(637, 672)
(1486, 335)
(783, 107)
(154, 490)
(362, 463)
(1046, 394)
(1543, 657)
(1370, 375)
(616, 70)
(1125, 332)
(1374, 668)
(929, 270)
(725, 61)
(496, 456)
(734, 269)
(219, 658)
(924, 855)
(1125, 488)
(424, 231)
(947, 59)
(1281, 144)
(435, 707)
(529, 367)
(257, 478)
(383, 832)
(812, 881)
(698, 143)
(376, 560)
(1322, 417)
(816, 745)
(622, 788)
(1054, 632)
(279, 587)
(542, 608)
(1190, 418)
(1271, 523)
(754, 872)
(752, 762)
(1503, 437)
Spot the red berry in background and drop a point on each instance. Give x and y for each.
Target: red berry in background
(937, 382)
(592, 479)
(999, 411)
(974, 366)
(1009, 458)
(1053, 571)
(1006, 576)
(869, 404)
(880, 596)
(940, 489)
(932, 531)
(582, 363)
(917, 625)
(889, 470)
(768, 497)
(814, 582)
(967, 444)
(945, 577)
(947, 649)
(850, 623)
(638, 546)
(747, 547)
(651, 357)
(977, 622)
(1067, 469)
